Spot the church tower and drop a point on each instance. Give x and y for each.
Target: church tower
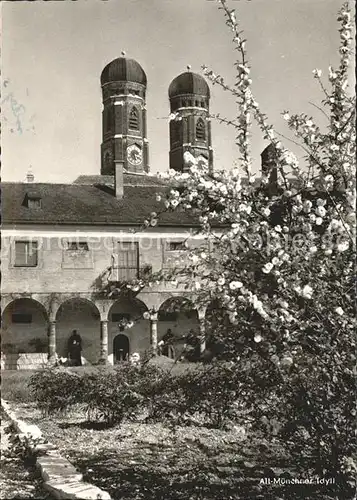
(124, 141)
(190, 130)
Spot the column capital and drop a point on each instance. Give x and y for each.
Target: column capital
(201, 312)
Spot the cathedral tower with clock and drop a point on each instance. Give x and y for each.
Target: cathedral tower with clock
(190, 128)
(124, 140)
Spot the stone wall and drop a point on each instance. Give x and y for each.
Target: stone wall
(62, 271)
(25, 361)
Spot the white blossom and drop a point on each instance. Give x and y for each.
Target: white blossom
(339, 311)
(268, 267)
(307, 292)
(234, 285)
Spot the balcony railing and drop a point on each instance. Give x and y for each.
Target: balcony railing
(121, 274)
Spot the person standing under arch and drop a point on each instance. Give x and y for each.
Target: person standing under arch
(75, 349)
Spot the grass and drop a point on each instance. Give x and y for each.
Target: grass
(14, 382)
(14, 385)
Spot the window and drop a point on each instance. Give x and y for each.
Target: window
(34, 203)
(21, 318)
(134, 119)
(32, 200)
(78, 246)
(167, 316)
(175, 246)
(108, 117)
(128, 261)
(119, 317)
(26, 253)
(200, 130)
(107, 159)
(197, 103)
(175, 127)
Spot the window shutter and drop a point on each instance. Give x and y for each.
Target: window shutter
(32, 254)
(20, 253)
(128, 260)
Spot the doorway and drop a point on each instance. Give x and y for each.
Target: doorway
(120, 348)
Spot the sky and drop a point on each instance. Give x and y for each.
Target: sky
(53, 53)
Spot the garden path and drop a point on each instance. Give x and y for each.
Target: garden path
(18, 478)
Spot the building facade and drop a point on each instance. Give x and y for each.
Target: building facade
(65, 245)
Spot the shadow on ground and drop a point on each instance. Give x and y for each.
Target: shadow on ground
(159, 472)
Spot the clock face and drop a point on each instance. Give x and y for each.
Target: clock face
(134, 154)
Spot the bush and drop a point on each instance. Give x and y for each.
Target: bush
(207, 394)
(112, 395)
(57, 389)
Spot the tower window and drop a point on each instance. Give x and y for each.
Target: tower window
(108, 117)
(175, 131)
(134, 119)
(200, 130)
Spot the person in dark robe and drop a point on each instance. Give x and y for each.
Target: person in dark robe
(75, 349)
(167, 348)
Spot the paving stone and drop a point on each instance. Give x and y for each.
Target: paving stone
(56, 468)
(76, 491)
(60, 477)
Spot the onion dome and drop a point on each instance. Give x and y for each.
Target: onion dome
(189, 83)
(123, 70)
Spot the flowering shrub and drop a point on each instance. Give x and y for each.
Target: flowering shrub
(278, 260)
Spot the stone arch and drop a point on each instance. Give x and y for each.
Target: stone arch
(125, 317)
(81, 314)
(24, 326)
(177, 318)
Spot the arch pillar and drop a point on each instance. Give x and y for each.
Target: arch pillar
(52, 342)
(153, 331)
(103, 359)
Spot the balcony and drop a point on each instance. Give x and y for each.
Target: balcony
(120, 274)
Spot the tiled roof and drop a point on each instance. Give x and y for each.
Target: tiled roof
(129, 180)
(85, 204)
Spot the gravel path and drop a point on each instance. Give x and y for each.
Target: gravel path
(18, 477)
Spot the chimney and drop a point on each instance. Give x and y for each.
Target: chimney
(119, 180)
(269, 167)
